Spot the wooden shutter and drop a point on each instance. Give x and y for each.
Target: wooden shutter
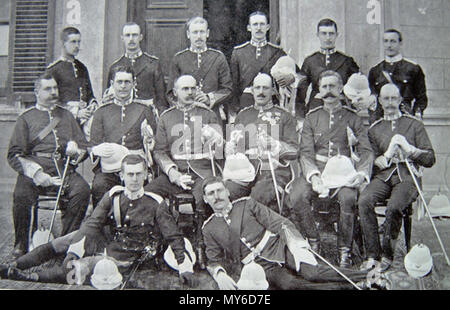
(32, 39)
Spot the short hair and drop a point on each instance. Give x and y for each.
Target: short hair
(392, 30)
(175, 83)
(133, 159)
(44, 76)
(117, 69)
(66, 32)
(211, 180)
(391, 85)
(331, 73)
(196, 20)
(258, 13)
(327, 22)
(132, 24)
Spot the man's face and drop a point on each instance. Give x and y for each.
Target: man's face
(185, 90)
(132, 37)
(258, 27)
(47, 93)
(122, 85)
(217, 196)
(133, 176)
(327, 36)
(392, 44)
(72, 45)
(390, 99)
(262, 90)
(330, 89)
(198, 34)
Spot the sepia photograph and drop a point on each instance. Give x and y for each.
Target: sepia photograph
(246, 146)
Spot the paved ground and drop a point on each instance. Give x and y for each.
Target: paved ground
(438, 279)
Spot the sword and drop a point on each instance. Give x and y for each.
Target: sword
(272, 172)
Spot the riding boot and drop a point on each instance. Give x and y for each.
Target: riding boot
(200, 247)
(344, 257)
(19, 275)
(36, 257)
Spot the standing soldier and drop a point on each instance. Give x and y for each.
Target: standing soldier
(265, 128)
(325, 136)
(37, 150)
(252, 57)
(208, 66)
(328, 58)
(407, 75)
(149, 88)
(121, 123)
(72, 77)
(179, 149)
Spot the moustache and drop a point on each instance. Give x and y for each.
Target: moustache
(328, 95)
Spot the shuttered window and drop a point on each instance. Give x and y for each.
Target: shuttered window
(32, 30)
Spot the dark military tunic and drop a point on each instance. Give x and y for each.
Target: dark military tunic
(145, 221)
(209, 68)
(247, 60)
(73, 80)
(319, 62)
(149, 78)
(409, 78)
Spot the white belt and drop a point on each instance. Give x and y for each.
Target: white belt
(190, 156)
(258, 249)
(321, 158)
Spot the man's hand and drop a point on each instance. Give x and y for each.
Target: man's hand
(202, 97)
(84, 114)
(319, 187)
(284, 80)
(43, 179)
(182, 180)
(382, 162)
(189, 279)
(103, 150)
(108, 97)
(72, 149)
(225, 282)
(211, 136)
(392, 149)
(357, 180)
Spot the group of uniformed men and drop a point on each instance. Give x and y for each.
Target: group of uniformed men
(149, 142)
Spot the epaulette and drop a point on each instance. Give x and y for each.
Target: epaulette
(314, 110)
(413, 117)
(274, 45)
(28, 110)
(350, 109)
(214, 50)
(54, 63)
(240, 199)
(151, 56)
(167, 110)
(246, 108)
(115, 190)
(242, 45)
(158, 198)
(207, 221)
(376, 122)
(410, 61)
(181, 52)
(117, 60)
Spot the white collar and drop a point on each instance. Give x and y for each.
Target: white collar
(133, 56)
(333, 109)
(116, 101)
(258, 43)
(263, 108)
(45, 109)
(394, 59)
(327, 51)
(198, 50)
(134, 195)
(225, 212)
(394, 117)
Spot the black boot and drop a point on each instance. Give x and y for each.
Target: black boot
(344, 257)
(36, 257)
(19, 275)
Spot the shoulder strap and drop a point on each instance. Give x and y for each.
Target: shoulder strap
(205, 68)
(116, 209)
(44, 132)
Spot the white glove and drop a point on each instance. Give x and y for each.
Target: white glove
(72, 149)
(392, 149)
(211, 136)
(403, 143)
(182, 180)
(43, 179)
(357, 180)
(382, 162)
(319, 187)
(225, 282)
(267, 143)
(103, 150)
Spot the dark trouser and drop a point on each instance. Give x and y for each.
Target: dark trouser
(102, 183)
(401, 195)
(301, 198)
(319, 277)
(73, 205)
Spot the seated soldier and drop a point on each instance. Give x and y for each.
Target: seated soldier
(325, 136)
(120, 123)
(128, 222)
(181, 149)
(246, 232)
(269, 139)
(395, 138)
